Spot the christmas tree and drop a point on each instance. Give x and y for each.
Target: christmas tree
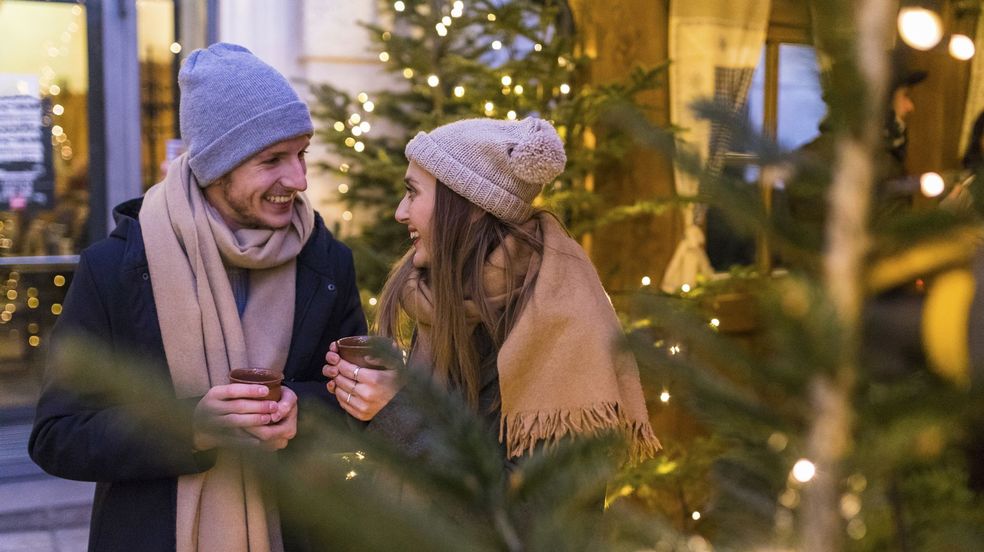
(451, 61)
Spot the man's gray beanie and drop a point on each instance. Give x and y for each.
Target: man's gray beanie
(501, 166)
(233, 106)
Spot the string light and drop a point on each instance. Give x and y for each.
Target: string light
(446, 21)
(386, 35)
(362, 97)
(347, 216)
(356, 131)
(489, 108)
(364, 125)
(931, 184)
(343, 188)
(368, 106)
(350, 141)
(359, 146)
(920, 28)
(351, 475)
(518, 89)
(511, 115)
(685, 288)
(384, 56)
(506, 80)
(355, 118)
(339, 126)
(565, 88)
(58, 109)
(433, 81)
(537, 47)
(491, 17)
(175, 48)
(399, 6)
(962, 47)
(408, 73)
(373, 301)
(344, 167)
(715, 323)
(459, 91)
(664, 396)
(496, 45)
(804, 470)
(695, 516)
(54, 90)
(646, 280)
(441, 29)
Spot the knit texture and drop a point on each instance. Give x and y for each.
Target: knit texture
(501, 166)
(233, 106)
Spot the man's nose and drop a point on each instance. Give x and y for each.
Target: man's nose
(296, 176)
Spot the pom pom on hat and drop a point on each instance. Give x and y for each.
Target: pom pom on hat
(501, 166)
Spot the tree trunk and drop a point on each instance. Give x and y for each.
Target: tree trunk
(616, 40)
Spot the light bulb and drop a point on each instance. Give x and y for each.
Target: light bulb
(931, 184)
(962, 47)
(433, 81)
(920, 28)
(804, 470)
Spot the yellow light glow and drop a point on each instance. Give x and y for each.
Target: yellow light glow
(537, 47)
(343, 188)
(339, 126)
(446, 21)
(359, 146)
(384, 57)
(364, 125)
(920, 28)
(664, 396)
(399, 6)
(11, 294)
(350, 141)
(57, 130)
(56, 309)
(33, 303)
(408, 73)
(344, 167)
(441, 29)
(506, 80)
(58, 109)
(646, 280)
(962, 47)
(356, 131)
(368, 106)
(931, 184)
(362, 97)
(565, 88)
(433, 81)
(347, 215)
(386, 35)
(511, 115)
(695, 516)
(496, 45)
(355, 118)
(491, 17)
(351, 475)
(54, 90)
(685, 288)
(34, 341)
(489, 106)
(373, 301)
(175, 48)
(518, 89)
(804, 470)
(459, 91)
(715, 322)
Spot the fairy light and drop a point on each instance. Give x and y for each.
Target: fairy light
(685, 288)
(368, 106)
(344, 167)
(962, 47)
(664, 396)
(441, 29)
(362, 97)
(446, 21)
(175, 48)
(489, 108)
(565, 88)
(930, 184)
(365, 126)
(386, 35)
(354, 118)
(715, 323)
(777, 441)
(433, 81)
(537, 47)
(511, 115)
(384, 56)
(350, 141)
(359, 147)
(695, 515)
(351, 475)
(58, 109)
(496, 45)
(491, 17)
(373, 301)
(804, 470)
(646, 280)
(343, 188)
(408, 73)
(920, 28)
(518, 89)
(347, 216)
(506, 80)
(459, 91)
(339, 126)
(399, 6)
(356, 131)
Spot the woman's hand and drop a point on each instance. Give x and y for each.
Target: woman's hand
(361, 390)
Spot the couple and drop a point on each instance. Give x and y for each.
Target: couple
(225, 264)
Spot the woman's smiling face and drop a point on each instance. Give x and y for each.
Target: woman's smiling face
(416, 210)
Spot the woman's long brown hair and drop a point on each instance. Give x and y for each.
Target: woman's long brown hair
(462, 238)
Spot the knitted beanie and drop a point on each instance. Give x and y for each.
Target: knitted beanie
(498, 165)
(233, 106)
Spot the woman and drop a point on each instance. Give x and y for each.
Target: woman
(507, 309)
(960, 199)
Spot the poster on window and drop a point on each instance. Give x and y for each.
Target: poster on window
(26, 172)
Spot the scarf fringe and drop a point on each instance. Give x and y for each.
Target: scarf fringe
(522, 431)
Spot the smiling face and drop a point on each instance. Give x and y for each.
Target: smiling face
(260, 193)
(416, 210)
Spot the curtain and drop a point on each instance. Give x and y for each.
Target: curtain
(714, 48)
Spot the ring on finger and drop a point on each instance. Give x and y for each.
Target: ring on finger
(348, 399)
(355, 375)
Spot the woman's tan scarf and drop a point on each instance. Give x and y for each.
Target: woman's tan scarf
(187, 246)
(562, 369)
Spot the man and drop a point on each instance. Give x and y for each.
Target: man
(222, 265)
(896, 132)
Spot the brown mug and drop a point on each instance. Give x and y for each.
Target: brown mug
(260, 376)
(357, 348)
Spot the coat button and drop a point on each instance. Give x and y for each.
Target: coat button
(146, 276)
(331, 287)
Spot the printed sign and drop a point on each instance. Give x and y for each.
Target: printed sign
(26, 175)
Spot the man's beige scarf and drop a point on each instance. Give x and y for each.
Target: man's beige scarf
(187, 246)
(562, 368)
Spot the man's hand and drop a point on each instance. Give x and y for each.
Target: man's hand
(226, 411)
(283, 424)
